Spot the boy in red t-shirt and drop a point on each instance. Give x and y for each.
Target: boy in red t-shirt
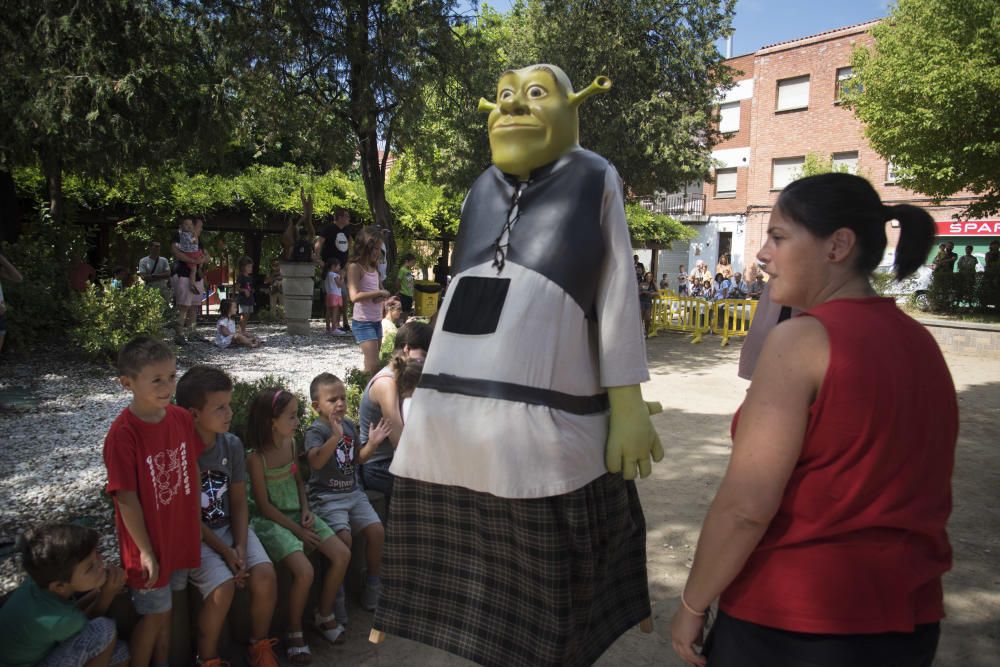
(151, 453)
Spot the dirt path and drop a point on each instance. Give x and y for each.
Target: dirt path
(698, 387)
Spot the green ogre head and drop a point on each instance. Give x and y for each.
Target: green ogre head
(535, 120)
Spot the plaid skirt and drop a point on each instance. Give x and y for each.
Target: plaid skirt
(544, 581)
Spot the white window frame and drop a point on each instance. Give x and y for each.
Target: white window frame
(844, 74)
(796, 93)
(785, 170)
(729, 117)
(849, 158)
(728, 193)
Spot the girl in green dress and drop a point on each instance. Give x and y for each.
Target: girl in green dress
(282, 520)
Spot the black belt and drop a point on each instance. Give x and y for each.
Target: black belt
(508, 391)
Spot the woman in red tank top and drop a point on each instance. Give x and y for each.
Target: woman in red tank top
(826, 541)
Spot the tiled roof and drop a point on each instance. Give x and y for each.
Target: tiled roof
(859, 27)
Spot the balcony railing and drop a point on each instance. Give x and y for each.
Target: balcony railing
(675, 205)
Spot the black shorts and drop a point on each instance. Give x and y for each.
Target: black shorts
(736, 643)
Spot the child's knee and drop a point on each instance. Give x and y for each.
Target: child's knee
(300, 567)
(335, 549)
(345, 537)
(222, 594)
(263, 577)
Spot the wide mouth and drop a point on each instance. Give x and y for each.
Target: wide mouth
(515, 124)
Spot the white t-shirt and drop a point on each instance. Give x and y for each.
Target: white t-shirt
(331, 283)
(543, 339)
(225, 324)
(149, 267)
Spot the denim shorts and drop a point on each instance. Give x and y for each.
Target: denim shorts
(366, 330)
(158, 600)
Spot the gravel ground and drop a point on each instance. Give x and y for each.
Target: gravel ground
(50, 450)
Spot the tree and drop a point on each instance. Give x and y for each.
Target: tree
(359, 63)
(929, 96)
(95, 87)
(656, 124)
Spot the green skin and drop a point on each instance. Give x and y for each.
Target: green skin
(535, 121)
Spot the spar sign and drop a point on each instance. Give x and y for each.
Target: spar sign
(968, 228)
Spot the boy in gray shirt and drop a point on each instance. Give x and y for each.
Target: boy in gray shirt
(231, 554)
(332, 448)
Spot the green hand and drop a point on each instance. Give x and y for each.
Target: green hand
(632, 440)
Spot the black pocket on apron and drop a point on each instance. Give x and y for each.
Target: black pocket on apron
(476, 305)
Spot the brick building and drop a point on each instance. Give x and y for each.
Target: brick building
(784, 106)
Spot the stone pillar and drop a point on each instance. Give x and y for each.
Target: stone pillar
(297, 288)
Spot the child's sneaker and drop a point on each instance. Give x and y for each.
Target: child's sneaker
(262, 653)
(369, 598)
(339, 332)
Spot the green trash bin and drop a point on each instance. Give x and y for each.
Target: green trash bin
(425, 297)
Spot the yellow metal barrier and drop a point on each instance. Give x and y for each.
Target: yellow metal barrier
(727, 318)
(736, 316)
(681, 313)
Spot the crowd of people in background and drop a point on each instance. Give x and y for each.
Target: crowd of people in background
(725, 283)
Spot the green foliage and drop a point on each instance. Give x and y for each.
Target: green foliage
(957, 292)
(657, 123)
(385, 352)
(95, 87)
(815, 164)
(882, 283)
(107, 318)
(360, 64)
(275, 315)
(929, 97)
(646, 226)
(36, 311)
(355, 382)
(244, 393)
(422, 210)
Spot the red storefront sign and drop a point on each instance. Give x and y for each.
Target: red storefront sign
(968, 228)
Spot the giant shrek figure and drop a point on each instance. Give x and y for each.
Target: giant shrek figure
(515, 535)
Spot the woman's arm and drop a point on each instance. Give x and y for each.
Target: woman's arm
(383, 392)
(766, 448)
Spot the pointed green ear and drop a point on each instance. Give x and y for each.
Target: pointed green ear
(601, 84)
(486, 105)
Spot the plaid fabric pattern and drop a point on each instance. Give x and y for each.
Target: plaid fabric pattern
(87, 645)
(543, 581)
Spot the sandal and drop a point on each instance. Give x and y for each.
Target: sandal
(334, 635)
(297, 655)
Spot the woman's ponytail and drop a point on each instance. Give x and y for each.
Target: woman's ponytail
(916, 237)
